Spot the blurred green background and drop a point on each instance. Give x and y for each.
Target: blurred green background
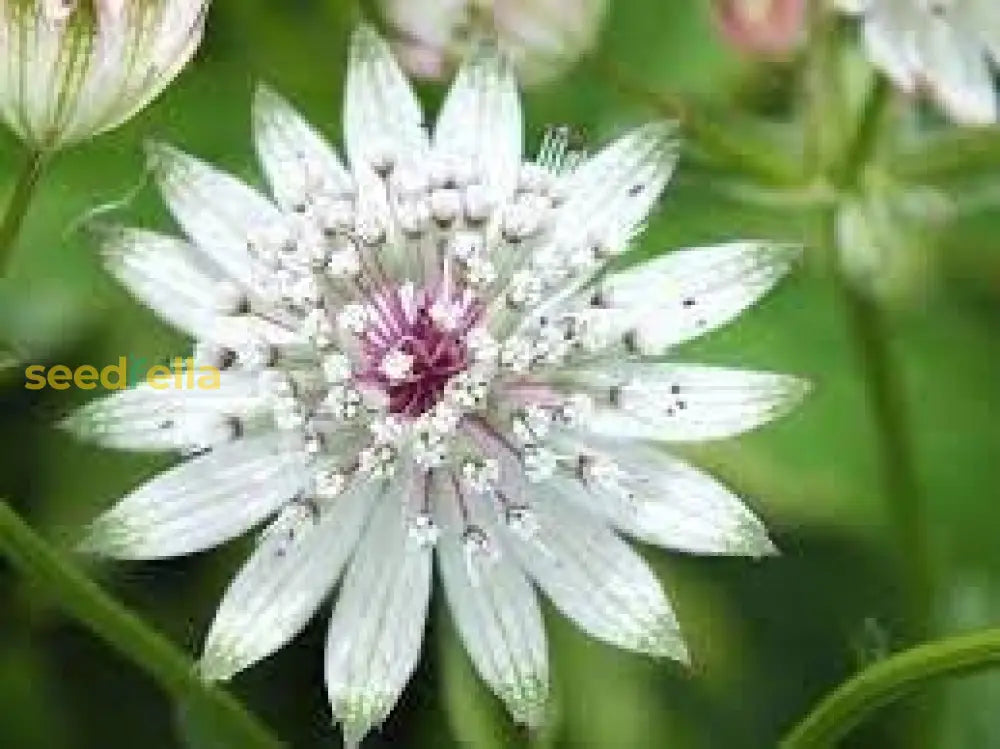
(768, 638)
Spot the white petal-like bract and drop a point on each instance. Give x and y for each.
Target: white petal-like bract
(480, 122)
(497, 615)
(685, 294)
(201, 503)
(297, 160)
(686, 403)
(598, 581)
(378, 621)
(294, 568)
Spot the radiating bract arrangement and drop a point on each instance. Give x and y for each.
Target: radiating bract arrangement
(71, 69)
(420, 353)
(949, 47)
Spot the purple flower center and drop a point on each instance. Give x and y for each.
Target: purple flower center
(428, 326)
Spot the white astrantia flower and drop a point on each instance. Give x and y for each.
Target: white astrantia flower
(949, 47)
(541, 37)
(71, 69)
(407, 405)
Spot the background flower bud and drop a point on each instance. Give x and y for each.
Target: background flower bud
(542, 37)
(71, 69)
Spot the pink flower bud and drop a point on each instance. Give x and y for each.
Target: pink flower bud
(541, 37)
(771, 28)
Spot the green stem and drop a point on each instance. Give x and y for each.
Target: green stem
(861, 150)
(104, 617)
(17, 208)
(712, 134)
(825, 114)
(884, 388)
(886, 398)
(890, 679)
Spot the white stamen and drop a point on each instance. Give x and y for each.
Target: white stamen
(396, 365)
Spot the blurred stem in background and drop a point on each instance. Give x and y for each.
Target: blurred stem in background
(722, 143)
(890, 679)
(18, 206)
(840, 157)
(126, 633)
(885, 389)
(834, 161)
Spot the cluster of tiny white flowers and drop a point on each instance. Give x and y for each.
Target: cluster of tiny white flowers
(407, 349)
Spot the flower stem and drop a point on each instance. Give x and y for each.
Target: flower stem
(710, 132)
(884, 388)
(884, 393)
(20, 202)
(890, 679)
(861, 150)
(844, 168)
(104, 617)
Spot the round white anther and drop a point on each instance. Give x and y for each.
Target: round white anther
(445, 204)
(481, 475)
(229, 298)
(448, 171)
(479, 203)
(523, 218)
(480, 552)
(382, 158)
(343, 263)
(352, 318)
(413, 215)
(533, 178)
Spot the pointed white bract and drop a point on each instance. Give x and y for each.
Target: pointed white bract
(201, 503)
(702, 289)
(949, 48)
(377, 627)
(662, 500)
(598, 581)
(496, 613)
(685, 403)
(72, 69)
(417, 363)
(295, 566)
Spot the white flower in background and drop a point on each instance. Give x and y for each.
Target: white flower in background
(71, 69)
(949, 47)
(541, 37)
(408, 404)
